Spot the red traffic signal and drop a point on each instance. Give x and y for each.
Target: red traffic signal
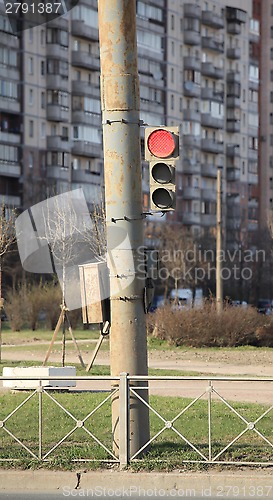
(161, 142)
(161, 150)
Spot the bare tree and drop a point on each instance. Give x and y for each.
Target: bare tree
(181, 259)
(7, 241)
(63, 235)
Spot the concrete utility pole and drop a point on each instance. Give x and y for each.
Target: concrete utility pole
(219, 283)
(123, 195)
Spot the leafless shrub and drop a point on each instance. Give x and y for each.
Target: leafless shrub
(15, 309)
(204, 327)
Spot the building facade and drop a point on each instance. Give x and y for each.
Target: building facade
(199, 69)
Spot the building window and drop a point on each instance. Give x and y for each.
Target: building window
(172, 101)
(31, 128)
(42, 37)
(172, 22)
(30, 66)
(43, 129)
(42, 67)
(43, 100)
(30, 160)
(30, 97)
(172, 75)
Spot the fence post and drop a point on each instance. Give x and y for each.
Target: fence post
(123, 420)
(40, 396)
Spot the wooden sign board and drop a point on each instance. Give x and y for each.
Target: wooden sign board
(94, 280)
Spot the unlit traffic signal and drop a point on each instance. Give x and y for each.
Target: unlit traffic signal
(162, 150)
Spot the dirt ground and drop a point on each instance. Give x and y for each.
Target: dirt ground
(206, 362)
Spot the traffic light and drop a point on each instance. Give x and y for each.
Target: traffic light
(162, 150)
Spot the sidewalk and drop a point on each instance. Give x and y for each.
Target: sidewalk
(243, 483)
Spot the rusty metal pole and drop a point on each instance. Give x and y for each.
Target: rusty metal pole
(123, 197)
(219, 281)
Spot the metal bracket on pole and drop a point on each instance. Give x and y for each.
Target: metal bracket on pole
(109, 122)
(123, 420)
(126, 218)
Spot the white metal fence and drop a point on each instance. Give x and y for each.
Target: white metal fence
(201, 424)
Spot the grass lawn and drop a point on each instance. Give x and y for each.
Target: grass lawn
(168, 447)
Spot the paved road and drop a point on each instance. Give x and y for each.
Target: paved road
(79, 494)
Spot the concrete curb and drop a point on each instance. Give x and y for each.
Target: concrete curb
(243, 483)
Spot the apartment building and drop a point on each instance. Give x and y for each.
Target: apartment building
(213, 91)
(266, 114)
(198, 68)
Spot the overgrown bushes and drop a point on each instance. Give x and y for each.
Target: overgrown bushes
(33, 304)
(235, 326)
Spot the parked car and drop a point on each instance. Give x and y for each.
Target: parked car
(158, 301)
(265, 306)
(182, 298)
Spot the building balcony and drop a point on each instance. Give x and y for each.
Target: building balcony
(234, 53)
(236, 15)
(192, 37)
(232, 150)
(208, 194)
(253, 225)
(233, 224)
(57, 143)
(253, 154)
(191, 115)
(253, 203)
(190, 218)
(56, 51)
(191, 167)
(10, 73)
(233, 175)
(191, 10)
(57, 113)
(212, 146)
(10, 200)
(85, 60)
(85, 89)
(208, 69)
(209, 170)
(82, 30)
(9, 40)
(233, 102)
(9, 105)
(252, 179)
(57, 82)
(233, 77)
(209, 93)
(211, 44)
(233, 126)
(253, 84)
(208, 220)
(86, 118)
(211, 19)
(209, 121)
(58, 172)
(59, 22)
(8, 169)
(84, 148)
(191, 89)
(192, 63)
(82, 176)
(191, 193)
(10, 137)
(191, 141)
(233, 28)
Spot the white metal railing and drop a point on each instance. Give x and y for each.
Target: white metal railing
(210, 390)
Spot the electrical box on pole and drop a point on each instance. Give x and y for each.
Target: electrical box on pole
(162, 151)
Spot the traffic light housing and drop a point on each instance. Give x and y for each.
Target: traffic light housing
(162, 151)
